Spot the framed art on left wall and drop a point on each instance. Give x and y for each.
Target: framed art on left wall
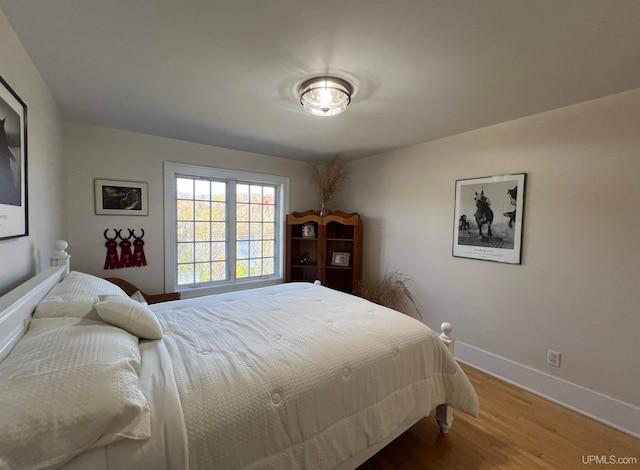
(14, 219)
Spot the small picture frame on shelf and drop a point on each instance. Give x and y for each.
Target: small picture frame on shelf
(308, 231)
(340, 258)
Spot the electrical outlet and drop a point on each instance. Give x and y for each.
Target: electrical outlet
(553, 358)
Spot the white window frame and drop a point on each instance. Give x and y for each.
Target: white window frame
(173, 170)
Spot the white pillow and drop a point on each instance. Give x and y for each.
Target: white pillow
(69, 385)
(129, 315)
(74, 297)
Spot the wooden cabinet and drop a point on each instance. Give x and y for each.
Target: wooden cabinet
(324, 248)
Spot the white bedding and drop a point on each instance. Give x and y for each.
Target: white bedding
(295, 376)
(300, 376)
(69, 385)
(166, 449)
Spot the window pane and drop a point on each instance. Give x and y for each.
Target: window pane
(185, 252)
(269, 231)
(185, 232)
(203, 210)
(203, 272)
(267, 249)
(242, 193)
(269, 213)
(218, 231)
(242, 231)
(218, 211)
(203, 231)
(203, 190)
(256, 249)
(218, 251)
(218, 271)
(203, 251)
(268, 195)
(242, 250)
(255, 231)
(184, 188)
(256, 194)
(242, 268)
(242, 212)
(268, 266)
(256, 213)
(255, 267)
(218, 191)
(185, 210)
(185, 274)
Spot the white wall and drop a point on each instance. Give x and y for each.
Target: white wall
(576, 290)
(99, 152)
(23, 257)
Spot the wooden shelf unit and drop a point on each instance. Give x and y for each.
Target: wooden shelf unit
(337, 232)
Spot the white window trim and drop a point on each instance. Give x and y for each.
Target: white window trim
(171, 170)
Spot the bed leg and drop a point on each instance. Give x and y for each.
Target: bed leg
(444, 417)
(444, 413)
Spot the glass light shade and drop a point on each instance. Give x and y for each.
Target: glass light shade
(325, 96)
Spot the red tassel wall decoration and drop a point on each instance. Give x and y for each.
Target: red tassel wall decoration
(111, 261)
(138, 250)
(126, 257)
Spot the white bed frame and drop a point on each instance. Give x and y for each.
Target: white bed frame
(17, 306)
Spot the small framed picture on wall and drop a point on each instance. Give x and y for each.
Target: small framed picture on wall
(114, 197)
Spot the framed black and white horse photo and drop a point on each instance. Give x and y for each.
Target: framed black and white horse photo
(488, 218)
(14, 220)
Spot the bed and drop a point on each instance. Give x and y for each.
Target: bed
(289, 376)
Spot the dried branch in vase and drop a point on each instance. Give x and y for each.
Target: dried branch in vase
(328, 179)
(391, 291)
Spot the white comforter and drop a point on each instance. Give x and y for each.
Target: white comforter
(295, 376)
(301, 376)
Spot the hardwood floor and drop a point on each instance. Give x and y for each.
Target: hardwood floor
(516, 429)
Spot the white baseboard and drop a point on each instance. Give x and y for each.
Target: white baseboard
(608, 410)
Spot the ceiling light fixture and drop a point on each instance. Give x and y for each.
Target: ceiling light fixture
(325, 96)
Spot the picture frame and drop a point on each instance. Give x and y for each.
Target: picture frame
(114, 197)
(14, 215)
(495, 199)
(308, 230)
(340, 258)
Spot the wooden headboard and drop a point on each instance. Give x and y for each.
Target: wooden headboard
(17, 305)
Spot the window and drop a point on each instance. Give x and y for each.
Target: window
(223, 229)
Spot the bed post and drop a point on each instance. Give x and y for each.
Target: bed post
(444, 413)
(60, 257)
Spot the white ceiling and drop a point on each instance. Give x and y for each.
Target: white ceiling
(226, 72)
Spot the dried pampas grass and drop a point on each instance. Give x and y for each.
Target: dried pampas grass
(391, 291)
(328, 178)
